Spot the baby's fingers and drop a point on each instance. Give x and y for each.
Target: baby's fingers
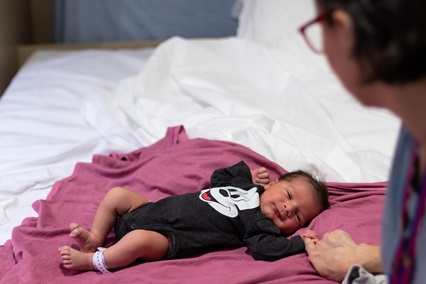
(309, 234)
(310, 245)
(262, 172)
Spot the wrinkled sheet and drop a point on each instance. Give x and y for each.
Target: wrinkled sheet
(285, 104)
(172, 165)
(64, 107)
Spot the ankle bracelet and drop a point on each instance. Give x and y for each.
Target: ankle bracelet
(99, 261)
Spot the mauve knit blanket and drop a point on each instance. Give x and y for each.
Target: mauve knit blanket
(172, 166)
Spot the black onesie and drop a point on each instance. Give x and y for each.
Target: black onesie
(227, 215)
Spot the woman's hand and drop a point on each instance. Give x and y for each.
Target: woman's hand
(337, 252)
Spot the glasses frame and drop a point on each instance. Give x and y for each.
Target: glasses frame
(303, 28)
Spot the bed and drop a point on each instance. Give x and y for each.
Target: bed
(159, 120)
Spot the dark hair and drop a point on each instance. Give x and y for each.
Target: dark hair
(389, 34)
(320, 189)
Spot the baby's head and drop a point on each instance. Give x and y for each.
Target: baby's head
(293, 200)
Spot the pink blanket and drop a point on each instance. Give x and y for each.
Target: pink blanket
(172, 166)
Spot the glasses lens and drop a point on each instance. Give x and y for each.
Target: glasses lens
(314, 35)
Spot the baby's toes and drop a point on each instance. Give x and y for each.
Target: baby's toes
(65, 250)
(74, 225)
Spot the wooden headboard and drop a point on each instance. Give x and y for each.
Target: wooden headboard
(25, 51)
(22, 22)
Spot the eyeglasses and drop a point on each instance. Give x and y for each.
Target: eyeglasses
(312, 32)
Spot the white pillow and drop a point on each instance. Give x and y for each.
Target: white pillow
(271, 22)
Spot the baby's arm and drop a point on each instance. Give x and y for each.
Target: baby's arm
(260, 176)
(270, 247)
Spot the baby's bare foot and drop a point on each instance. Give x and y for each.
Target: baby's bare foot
(75, 260)
(87, 241)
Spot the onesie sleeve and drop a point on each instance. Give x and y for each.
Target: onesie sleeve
(236, 175)
(269, 244)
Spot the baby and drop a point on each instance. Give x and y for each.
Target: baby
(242, 208)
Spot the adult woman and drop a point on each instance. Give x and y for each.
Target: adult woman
(377, 48)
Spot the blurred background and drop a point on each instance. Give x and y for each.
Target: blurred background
(24, 22)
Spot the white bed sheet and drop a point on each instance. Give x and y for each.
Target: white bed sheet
(43, 132)
(283, 103)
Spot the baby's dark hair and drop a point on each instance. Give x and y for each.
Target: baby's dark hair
(320, 189)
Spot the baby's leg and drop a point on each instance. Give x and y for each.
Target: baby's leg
(116, 203)
(147, 245)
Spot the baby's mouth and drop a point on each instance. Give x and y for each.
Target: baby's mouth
(277, 212)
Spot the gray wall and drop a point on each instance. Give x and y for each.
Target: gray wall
(138, 20)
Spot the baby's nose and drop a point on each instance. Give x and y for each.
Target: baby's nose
(289, 208)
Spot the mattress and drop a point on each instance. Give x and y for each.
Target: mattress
(43, 131)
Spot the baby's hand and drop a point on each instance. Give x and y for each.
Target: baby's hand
(309, 234)
(260, 176)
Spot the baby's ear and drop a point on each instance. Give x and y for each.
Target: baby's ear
(270, 183)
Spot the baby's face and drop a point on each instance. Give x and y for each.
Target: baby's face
(289, 204)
